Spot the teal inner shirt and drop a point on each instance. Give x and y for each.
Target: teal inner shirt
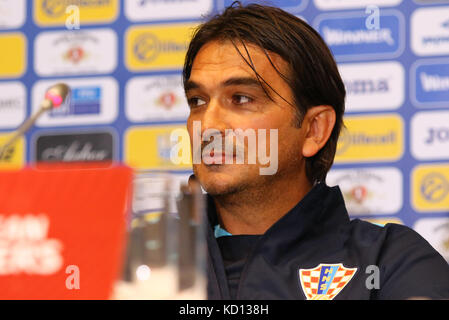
(220, 232)
(234, 252)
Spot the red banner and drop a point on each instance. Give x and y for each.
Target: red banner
(62, 231)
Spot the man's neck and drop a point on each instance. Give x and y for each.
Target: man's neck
(255, 211)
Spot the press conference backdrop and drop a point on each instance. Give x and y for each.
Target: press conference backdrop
(124, 65)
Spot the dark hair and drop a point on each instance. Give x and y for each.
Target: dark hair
(312, 76)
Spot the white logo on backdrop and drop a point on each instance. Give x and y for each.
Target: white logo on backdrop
(373, 86)
(429, 133)
(12, 14)
(12, 104)
(430, 31)
(75, 52)
(156, 98)
(436, 232)
(369, 191)
(93, 101)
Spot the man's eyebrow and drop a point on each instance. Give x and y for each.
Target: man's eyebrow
(245, 81)
(190, 85)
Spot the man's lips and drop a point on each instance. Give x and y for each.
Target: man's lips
(215, 157)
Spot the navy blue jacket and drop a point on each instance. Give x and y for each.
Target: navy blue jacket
(306, 247)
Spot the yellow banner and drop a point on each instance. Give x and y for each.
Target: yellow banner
(157, 47)
(371, 138)
(13, 55)
(57, 12)
(158, 147)
(14, 156)
(430, 187)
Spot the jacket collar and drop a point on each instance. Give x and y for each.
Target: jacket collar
(322, 211)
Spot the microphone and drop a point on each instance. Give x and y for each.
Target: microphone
(54, 97)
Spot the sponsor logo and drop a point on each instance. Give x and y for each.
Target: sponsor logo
(156, 98)
(434, 38)
(13, 61)
(349, 39)
(138, 155)
(157, 47)
(374, 138)
(27, 236)
(14, 156)
(430, 135)
(430, 83)
(75, 52)
(430, 188)
(83, 100)
(53, 12)
(12, 14)
(353, 4)
(325, 281)
(150, 10)
(12, 104)
(369, 191)
(92, 101)
(292, 6)
(436, 232)
(77, 147)
(373, 86)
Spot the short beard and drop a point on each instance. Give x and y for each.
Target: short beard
(244, 191)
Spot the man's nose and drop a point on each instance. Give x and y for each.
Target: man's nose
(214, 117)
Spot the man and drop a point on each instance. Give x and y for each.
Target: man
(286, 235)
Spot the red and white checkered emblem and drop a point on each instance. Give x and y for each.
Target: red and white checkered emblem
(325, 281)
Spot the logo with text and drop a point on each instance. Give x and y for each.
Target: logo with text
(26, 248)
(14, 156)
(371, 138)
(92, 101)
(430, 135)
(54, 12)
(350, 39)
(430, 188)
(157, 47)
(12, 104)
(373, 86)
(430, 84)
(76, 52)
(373, 191)
(156, 98)
(433, 39)
(325, 281)
(82, 147)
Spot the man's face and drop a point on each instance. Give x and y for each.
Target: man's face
(224, 93)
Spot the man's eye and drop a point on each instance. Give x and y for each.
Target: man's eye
(196, 102)
(241, 99)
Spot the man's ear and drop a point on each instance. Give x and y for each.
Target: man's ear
(319, 122)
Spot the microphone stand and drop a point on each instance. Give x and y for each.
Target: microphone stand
(45, 106)
(60, 91)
